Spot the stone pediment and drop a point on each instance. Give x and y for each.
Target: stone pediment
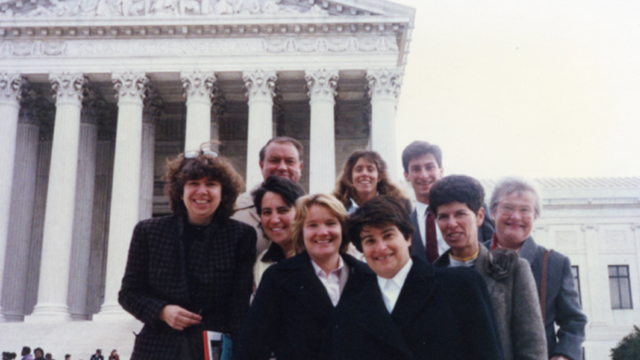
(213, 9)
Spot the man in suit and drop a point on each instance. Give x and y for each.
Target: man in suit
(409, 309)
(515, 205)
(280, 156)
(422, 164)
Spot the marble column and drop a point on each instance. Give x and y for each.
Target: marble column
(260, 85)
(83, 220)
(125, 201)
(384, 89)
(153, 107)
(198, 89)
(9, 111)
(218, 107)
(322, 158)
(22, 206)
(59, 214)
(598, 278)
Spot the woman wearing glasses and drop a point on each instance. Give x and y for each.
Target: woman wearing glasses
(190, 271)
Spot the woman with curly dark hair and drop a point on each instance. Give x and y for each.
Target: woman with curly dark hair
(190, 271)
(364, 177)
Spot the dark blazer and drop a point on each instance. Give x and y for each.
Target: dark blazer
(291, 310)
(442, 313)
(562, 305)
(156, 276)
(485, 232)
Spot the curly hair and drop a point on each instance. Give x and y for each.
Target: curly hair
(302, 210)
(181, 169)
(345, 190)
(456, 188)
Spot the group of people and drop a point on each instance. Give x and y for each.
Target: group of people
(356, 274)
(38, 354)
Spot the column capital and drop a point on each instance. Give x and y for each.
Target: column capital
(198, 85)
(67, 87)
(10, 88)
(130, 86)
(384, 83)
(260, 84)
(153, 105)
(322, 83)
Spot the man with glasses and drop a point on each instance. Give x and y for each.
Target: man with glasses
(281, 156)
(515, 205)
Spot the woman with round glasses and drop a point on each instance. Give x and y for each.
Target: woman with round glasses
(275, 201)
(190, 271)
(364, 177)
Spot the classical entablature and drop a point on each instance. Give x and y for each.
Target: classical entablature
(291, 33)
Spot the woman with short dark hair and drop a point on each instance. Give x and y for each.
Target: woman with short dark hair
(190, 271)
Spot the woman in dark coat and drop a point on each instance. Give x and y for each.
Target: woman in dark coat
(191, 271)
(296, 297)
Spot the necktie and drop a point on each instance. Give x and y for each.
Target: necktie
(432, 238)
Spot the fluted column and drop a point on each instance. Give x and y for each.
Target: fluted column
(217, 111)
(59, 214)
(81, 247)
(198, 89)
(384, 88)
(10, 87)
(598, 278)
(260, 85)
(125, 201)
(322, 91)
(153, 107)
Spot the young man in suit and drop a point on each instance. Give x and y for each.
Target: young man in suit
(280, 156)
(408, 309)
(422, 164)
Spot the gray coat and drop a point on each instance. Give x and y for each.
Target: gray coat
(562, 305)
(515, 303)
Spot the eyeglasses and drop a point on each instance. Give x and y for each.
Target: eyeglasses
(509, 210)
(194, 154)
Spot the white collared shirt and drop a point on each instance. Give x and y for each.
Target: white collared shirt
(455, 263)
(421, 210)
(335, 281)
(390, 288)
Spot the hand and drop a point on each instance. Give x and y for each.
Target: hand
(179, 318)
(559, 357)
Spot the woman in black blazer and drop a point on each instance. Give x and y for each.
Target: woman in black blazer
(296, 297)
(191, 271)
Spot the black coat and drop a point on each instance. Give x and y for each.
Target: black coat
(156, 276)
(485, 233)
(440, 314)
(291, 309)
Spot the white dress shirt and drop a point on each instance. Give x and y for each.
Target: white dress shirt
(421, 210)
(335, 281)
(391, 288)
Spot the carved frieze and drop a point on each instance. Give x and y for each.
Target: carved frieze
(10, 84)
(129, 85)
(198, 85)
(384, 83)
(110, 48)
(321, 83)
(260, 84)
(155, 8)
(67, 86)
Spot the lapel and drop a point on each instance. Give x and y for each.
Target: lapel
(415, 294)
(528, 250)
(481, 266)
(417, 247)
(373, 317)
(303, 285)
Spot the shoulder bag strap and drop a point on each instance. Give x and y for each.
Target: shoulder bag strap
(543, 282)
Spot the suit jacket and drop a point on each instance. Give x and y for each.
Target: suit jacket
(291, 310)
(515, 303)
(441, 313)
(485, 232)
(156, 276)
(562, 304)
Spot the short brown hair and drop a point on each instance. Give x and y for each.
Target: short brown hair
(417, 149)
(282, 140)
(344, 186)
(181, 169)
(378, 212)
(302, 210)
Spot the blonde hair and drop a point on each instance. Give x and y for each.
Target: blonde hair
(302, 210)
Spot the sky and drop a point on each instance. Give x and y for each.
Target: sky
(539, 89)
